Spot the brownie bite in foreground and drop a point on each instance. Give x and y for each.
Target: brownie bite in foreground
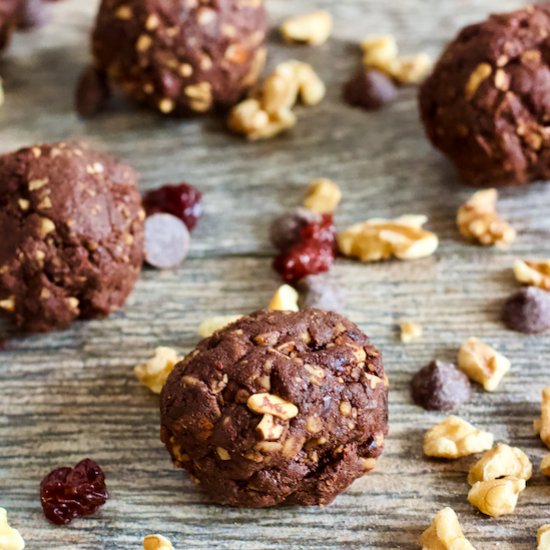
(487, 103)
(181, 57)
(71, 226)
(278, 407)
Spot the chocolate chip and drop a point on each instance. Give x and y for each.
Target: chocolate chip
(32, 14)
(92, 92)
(320, 292)
(528, 311)
(285, 229)
(440, 387)
(167, 241)
(370, 89)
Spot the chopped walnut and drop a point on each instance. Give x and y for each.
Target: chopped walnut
(501, 461)
(379, 239)
(533, 273)
(545, 465)
(496, 497)
(545, 417)
(410, 332)
(478, 220)
(267, 403)
(481, 73)
(285, 299)
(379, 52)
(411, 69)
(156, 542)
(8, 304)
(269, 429)
(10, 538)
(313, 28)
(445, 533)
(455, 438)
(543, 537)
(155, 371)
(482, 363)
(213, 324)
(323, 196)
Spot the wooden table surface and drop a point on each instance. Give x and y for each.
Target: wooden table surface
(71, 395)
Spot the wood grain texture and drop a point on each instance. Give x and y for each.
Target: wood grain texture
(70, 395)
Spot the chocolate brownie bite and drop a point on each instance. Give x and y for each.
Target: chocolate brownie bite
(181, 57)
(278, 407)
(486, 104)
(72, 235)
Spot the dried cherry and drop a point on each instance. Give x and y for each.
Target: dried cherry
(67, 493)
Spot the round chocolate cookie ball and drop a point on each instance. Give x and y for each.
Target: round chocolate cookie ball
(278, 407)
(181, 57)
(71, 223)
(487, 103)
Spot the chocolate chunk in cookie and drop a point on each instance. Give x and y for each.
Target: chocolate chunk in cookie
(277, 407)
(180, 57)
(72, 235)
(528, 311)
(486, 104)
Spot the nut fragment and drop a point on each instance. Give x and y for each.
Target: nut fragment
(313, 28)
(155, 371)
(455, 438)
(478, 220)
(545, 416)
(445, 533)
(156, 542)
(543, 537)
(411, 69)
(481, 73)
(410, 332)
(501, 461)
(8, 304)
(482, 363)
(269, 429)
(379, 52)
(496, 497)
(533, 273)
(285, 299)
(323, 196)
(10, 538)
(213, 324)
(380, 239)
(267, 403)
(545, 465)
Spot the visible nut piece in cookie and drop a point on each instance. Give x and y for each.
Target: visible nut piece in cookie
(156, 542)
(445, 533)
(455, 438)
(285, 299)
(155, 371)
(10, 538)
(543, 537)
(481, 73)
(313, 28)
(213, 324)
(268, 429)
(410, 332)
(497, 497)
(482, 363)
(501, 461)
(379, 239)
(545, 465)
(323, 196)
(266, 403)
(533, 273)
(478, 220)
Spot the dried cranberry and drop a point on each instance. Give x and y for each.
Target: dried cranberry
(320, 231)
(183, 201)
(67, 493)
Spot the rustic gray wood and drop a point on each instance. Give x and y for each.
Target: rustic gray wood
(70, 395)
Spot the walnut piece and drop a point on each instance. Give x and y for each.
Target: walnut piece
(267, 403)
(545, 417)
(213, 324)
(533, 273)
(445, 533)
(10, 538)
(269, 429)
(410, 332)
(380, 239)
(313, 28)
(501, 461)
(154, 372)
(455, 438)
(323, 196)
(545, 465)
(481, 73)
(543, 537)
(285, 299)
(156, 542)
(379, 52)
(478, 220)
(496, 497)
(411, 69)
(482, 363)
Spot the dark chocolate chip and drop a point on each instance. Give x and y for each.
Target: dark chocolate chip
(92, 92)
(320, 292)
(285, 229)
(527, 311)
(440, 387)
(167, 241)
(370, 89)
